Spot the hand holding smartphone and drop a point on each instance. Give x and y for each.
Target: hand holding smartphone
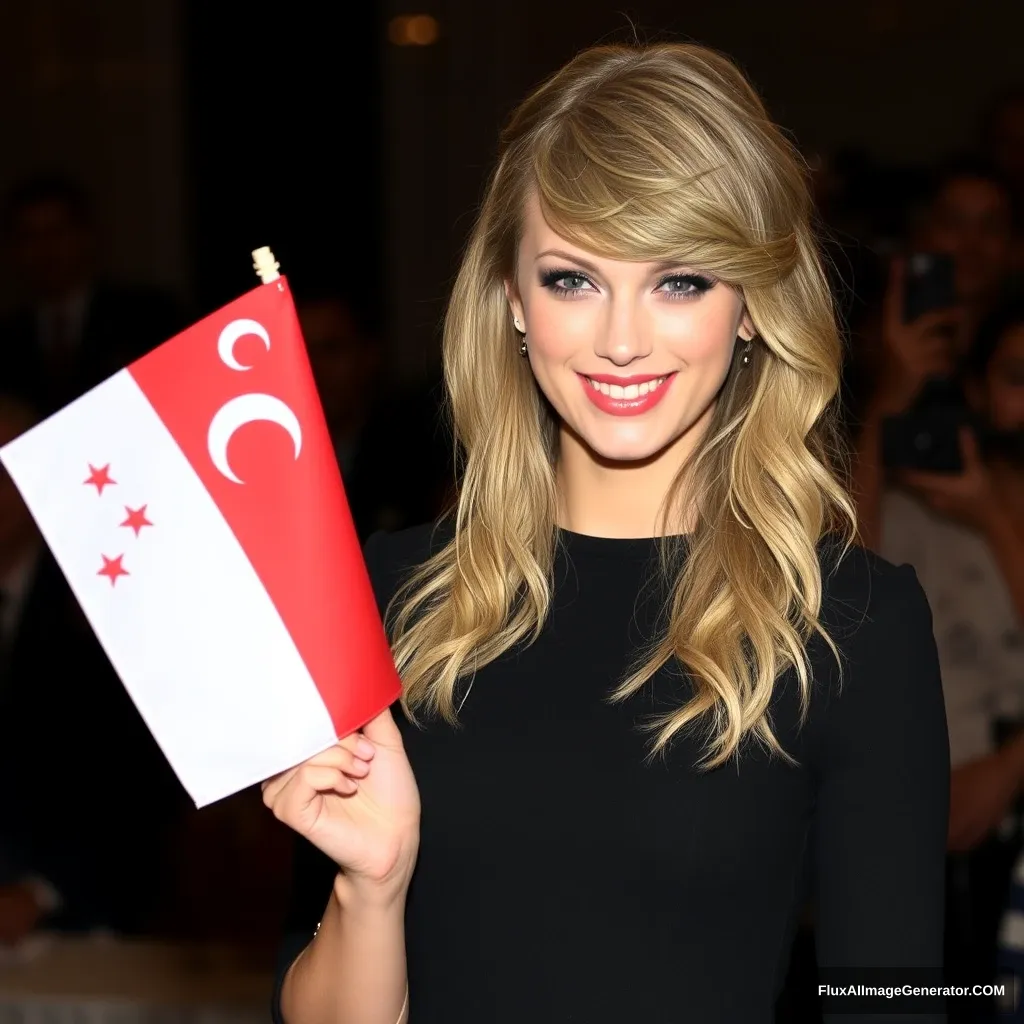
(919, 320)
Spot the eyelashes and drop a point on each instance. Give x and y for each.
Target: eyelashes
(682, 286)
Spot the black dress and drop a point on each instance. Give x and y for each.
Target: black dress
(564, 877)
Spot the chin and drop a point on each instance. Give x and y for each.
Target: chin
(633, 445)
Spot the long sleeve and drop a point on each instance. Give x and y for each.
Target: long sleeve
(883, 798)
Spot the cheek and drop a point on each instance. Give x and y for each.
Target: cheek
(701, 337)
(560, 328)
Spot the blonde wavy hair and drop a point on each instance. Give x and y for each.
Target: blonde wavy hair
(646, 153)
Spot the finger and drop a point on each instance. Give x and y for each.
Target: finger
(305, 786)
(343, 758)
(382, 730)
(313, 779)
(272, 786)
(359, 745)
(938, 318)
(969, 448)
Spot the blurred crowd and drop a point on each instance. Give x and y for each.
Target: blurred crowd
(928, 270)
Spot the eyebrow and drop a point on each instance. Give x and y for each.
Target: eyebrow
(568, 256)
(587, 265)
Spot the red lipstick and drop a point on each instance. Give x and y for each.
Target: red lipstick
(620, 405)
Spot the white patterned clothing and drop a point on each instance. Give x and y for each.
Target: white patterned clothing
(977, 628)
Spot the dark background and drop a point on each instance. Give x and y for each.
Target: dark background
(205, 129)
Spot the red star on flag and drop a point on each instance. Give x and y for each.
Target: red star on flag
(112, 568)
(99, 478)
(136, 519)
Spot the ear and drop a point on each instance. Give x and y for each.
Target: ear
(746, 329)
(514, 301)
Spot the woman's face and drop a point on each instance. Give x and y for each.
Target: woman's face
(630, 355)
(972, 221)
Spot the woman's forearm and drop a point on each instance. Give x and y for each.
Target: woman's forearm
(354, 971)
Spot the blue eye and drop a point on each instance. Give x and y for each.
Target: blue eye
(567, 282)
(563, 282)
(685, 286)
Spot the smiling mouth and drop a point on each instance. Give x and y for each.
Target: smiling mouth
(627, 391)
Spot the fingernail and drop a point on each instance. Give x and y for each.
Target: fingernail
(364, 748)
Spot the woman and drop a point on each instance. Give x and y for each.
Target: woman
(622, 653)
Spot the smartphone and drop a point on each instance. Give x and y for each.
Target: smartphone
(925, 439)
(928, 284)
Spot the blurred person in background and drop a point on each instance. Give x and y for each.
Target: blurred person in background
(964, 535)
(70, 329)
(34, 882)
(1003, 141)
(1003, 138)
(388, 439)
(968, 216)
(68, 732)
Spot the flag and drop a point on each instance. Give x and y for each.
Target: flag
(194, 503)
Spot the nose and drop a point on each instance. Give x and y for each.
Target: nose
(622, 337)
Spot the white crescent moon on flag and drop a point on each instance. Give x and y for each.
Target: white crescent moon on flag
(250, 408)
(235, 330)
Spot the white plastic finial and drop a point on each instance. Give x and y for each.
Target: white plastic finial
(265, 265)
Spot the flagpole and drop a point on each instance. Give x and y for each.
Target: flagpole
(265, 265)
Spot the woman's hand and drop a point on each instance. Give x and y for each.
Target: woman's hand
(357, 802)
(912, 352)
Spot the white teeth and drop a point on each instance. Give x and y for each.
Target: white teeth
(632, 391)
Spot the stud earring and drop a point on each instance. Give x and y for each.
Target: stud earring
(519, 326)
(746, 354)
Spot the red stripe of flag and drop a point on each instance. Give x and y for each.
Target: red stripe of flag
(290, 514)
